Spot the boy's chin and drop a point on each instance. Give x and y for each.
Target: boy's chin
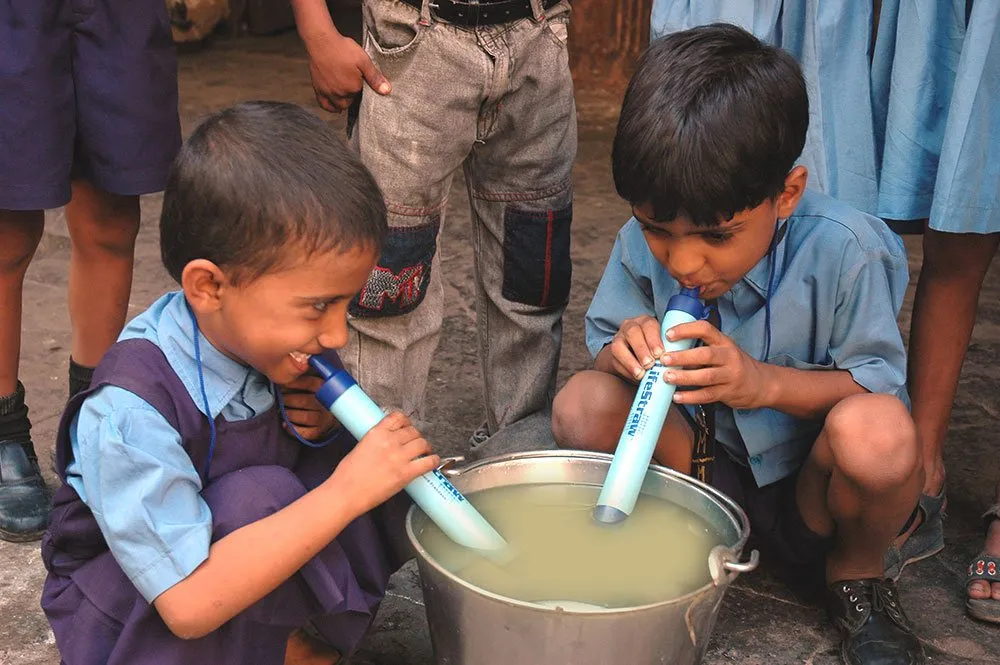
(715, 290)
(282, 373)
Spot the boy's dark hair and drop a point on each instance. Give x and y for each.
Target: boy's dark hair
(711, 124)
(259, 179)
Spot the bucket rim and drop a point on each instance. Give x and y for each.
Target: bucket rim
(733, 508)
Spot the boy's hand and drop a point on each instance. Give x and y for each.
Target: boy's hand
(723, 371)
(304, 411)
(339, 67)
(635, 347)
(383, 462)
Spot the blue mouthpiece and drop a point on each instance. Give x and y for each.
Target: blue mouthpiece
(687, 301)
(322, 366)
(336, 381)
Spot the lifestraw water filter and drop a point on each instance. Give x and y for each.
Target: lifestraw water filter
(645, 419)
(434, 493)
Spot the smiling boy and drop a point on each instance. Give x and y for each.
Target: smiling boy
(806, 368)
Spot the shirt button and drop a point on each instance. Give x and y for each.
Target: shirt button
(755, 460)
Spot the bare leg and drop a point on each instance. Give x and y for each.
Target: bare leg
(305, 650)
(955, 265)
(20, 233)
(103, 228)
(589, 414)
(861, 482)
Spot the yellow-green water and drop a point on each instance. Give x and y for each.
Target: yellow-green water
(561, 554)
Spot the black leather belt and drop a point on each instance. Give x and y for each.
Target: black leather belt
(481, 13)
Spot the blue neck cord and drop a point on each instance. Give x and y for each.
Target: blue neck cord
(211, 421)
(294, 432)
(204, 393)
(779, 233)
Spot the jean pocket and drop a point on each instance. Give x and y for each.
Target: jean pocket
(558, 29)
(391, 28)
(536, 248)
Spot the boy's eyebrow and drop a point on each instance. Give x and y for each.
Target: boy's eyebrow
(728, 225)
(324, 297)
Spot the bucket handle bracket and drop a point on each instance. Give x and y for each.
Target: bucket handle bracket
(743, 566)
(448, 464)
(724, 569)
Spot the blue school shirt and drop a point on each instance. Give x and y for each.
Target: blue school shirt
(838, 285)
(129, 465)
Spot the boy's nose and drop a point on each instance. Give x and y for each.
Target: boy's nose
(685, 265)
(334, 335)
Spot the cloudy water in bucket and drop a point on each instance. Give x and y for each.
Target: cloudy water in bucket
(561, 554)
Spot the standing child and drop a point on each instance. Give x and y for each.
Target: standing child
(192, 527)
(88, 118)
(807, 371)
(485, 87)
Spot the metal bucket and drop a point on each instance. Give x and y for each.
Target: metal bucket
(472, 626)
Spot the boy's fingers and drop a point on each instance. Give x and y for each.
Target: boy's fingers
(404, 435)
(709, 376)
(704, 396)
(702, 330)
(395, 420)
(696, 357)
(651, 333)
(622, 354)
(302, 418)
(416, 448)
(378, 82)
(635, 338)
(423, 465)
(305, 401)
(305, 383)
(625, 372)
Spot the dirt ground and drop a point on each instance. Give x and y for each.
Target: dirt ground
(760, 621)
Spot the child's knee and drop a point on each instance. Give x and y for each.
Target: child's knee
(103, 222)
(246, 496)
(583, 409)
(873, 440)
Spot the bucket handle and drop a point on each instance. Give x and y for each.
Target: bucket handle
(722, 567)
(743, 567)
(448, 464)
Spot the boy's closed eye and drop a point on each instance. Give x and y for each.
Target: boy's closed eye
(717, 237)
(321, 305)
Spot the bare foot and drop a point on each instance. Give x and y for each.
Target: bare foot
(980, 589)
(305, 650)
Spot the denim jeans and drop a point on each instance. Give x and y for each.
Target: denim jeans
(496, 101)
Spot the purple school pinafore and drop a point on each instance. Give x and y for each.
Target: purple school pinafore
(99, 617)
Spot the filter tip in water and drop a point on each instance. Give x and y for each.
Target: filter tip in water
(609, 515)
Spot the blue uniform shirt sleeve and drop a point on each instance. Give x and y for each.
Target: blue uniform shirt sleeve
(625, 290)
(865, 338)
(131, 470)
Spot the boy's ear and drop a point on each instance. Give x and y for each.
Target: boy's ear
(795, 187)
(203, 283)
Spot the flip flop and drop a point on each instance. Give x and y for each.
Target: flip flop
(925, 541)
(983, 567)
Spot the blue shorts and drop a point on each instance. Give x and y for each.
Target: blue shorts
(88, 89)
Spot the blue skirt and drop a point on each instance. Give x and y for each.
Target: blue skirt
(901, 130)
